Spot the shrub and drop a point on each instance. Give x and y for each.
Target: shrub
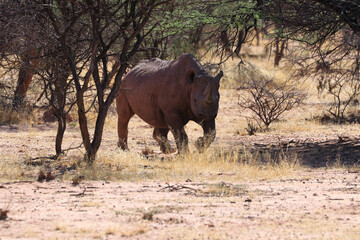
(268, 99)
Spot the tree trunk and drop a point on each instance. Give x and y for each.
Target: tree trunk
(225, 41)
(195, 37)
(279, 51)
(61, 118)
(90, 155)
(240, 41)
(58, 99)
(83, 121)
(24, 79)
(154, 49)
(26, 73)
(99, 129)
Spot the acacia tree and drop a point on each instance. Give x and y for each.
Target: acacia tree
(18, 48)
(98, 40)
(220, 26)
(28, 47)
(57, 86)
(326, 40)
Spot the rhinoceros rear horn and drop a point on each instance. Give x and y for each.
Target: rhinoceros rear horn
(208, 94)
(219, 76)
(190, 75)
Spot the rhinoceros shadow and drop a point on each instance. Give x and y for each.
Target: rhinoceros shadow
(312, 153)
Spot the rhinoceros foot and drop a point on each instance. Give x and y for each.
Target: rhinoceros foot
(167, 149)
(200, 144)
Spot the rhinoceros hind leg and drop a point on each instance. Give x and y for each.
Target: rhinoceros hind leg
(160, 135)
(125, 113)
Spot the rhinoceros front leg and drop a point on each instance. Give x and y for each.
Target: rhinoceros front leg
(160, 135)
(181, 139)
(203, 143)
(176, 124)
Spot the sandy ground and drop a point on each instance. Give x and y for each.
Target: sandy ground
(312, 203)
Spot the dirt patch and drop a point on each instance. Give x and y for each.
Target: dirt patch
(314, 205)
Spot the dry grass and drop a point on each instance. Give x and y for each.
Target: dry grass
(224, 165)
(8, 116)
(334, 229)
(11, 168)
(121, 230)
(217, 164)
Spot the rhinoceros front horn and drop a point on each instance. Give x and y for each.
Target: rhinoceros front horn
(219, 76)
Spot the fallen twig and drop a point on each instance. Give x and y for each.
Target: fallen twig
(335, 199)
(14, 182)
(176, 187)
(79, 194)
(72, 148)
(32, 161)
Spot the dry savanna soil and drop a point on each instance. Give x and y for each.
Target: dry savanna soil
(299, 180)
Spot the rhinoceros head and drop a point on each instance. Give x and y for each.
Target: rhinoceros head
(204, 97)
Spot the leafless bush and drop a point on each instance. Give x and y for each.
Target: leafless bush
(268, 99)
(344, 87)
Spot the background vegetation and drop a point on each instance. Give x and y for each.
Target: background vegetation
(75, 53)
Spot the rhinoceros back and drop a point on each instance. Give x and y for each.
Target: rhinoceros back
(145, 85)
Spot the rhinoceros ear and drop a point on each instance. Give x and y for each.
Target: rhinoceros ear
(219, 76)
(190, 76)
